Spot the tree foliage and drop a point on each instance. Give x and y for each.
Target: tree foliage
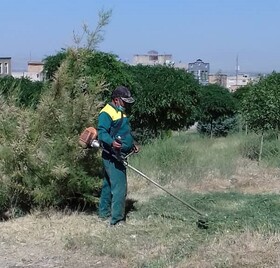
(41, 162)
(40, 155)
(52, 63)
(100, 66)
(166, 98)
(219, 127)
(96, 36)
(88, 40)
(216, 102)
(216, 105)
(240, 94)
(261, 105)
(24, 91)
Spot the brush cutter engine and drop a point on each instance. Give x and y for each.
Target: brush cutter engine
(95, 144)
(88, 138)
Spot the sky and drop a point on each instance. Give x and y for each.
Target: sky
(215, 31)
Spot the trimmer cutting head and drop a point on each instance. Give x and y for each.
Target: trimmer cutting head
(202, 222)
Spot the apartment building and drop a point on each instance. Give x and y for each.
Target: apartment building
(152, 58)
(200, 70)
(5, 66)
(240, 80)
(34, 71)
(219, 79)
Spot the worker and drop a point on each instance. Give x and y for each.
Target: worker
(114, 133)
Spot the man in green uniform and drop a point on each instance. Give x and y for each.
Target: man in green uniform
(114, 133)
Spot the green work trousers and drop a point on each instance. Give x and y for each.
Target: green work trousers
(114, 190)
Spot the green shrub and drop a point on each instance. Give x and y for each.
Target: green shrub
(25, 92)
(220, 127)
(40, 156)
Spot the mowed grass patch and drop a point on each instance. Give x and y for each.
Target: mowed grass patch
(226, 211)
(162, 232)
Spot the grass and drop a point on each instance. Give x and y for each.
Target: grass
(226, 211)
(189, 157)
(157, 237)
(240, 197)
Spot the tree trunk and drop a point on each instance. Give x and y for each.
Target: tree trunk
(211, 129)
(261, 149)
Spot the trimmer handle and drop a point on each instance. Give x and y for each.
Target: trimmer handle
(118, 139)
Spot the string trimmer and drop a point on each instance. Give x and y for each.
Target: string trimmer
(202, 222)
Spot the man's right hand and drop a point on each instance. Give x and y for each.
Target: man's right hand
(116, 145)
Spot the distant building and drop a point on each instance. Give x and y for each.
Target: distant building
(5, 66)
(34, 71)
(152, 58)
(219, 79)
(180, 65)
(200, 70)
(237, 81)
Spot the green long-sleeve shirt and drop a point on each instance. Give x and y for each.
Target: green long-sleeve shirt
(108, 122)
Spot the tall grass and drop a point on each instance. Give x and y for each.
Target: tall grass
(250, 147)
(188, 157)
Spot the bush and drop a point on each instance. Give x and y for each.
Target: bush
(220, 128)
(39, 154)
(25, 92)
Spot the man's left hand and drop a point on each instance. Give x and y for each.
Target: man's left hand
(136, 149)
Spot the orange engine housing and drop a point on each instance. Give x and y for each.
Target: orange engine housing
(87, 136)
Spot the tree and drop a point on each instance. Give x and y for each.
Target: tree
(166, 98)
(93, 39)
(52, 63)
(240, 94)
(101, 66)
(40, 159)
(216, 103)
(261, 105)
